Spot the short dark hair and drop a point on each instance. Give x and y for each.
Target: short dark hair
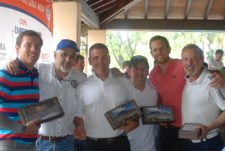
(98, 46)
(219, 51)
(30, 33)
(138, 59)
(79, 57)
(160, 38)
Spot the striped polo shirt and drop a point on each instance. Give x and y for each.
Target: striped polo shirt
(17, 91)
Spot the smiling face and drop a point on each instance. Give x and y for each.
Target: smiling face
(29, 50)
(192, 62)
(138, 73)
(100, 60)
(64, 59)
(159, 51)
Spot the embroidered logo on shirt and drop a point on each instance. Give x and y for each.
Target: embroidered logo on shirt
(74, 83)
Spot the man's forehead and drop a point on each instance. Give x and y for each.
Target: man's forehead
(139, 65)
(31, 38)
(99, 52)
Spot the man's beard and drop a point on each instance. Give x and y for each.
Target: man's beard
(162, 61)
(62, 69)
(190, 73)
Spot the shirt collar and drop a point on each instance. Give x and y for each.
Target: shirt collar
(25, 69)
(109, 76)
(200, 78)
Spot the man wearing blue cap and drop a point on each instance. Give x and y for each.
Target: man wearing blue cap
(58, 79)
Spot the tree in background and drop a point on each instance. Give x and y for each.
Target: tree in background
(124, 44)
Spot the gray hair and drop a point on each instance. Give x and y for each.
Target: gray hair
(197, 49)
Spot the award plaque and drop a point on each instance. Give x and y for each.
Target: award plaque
(188, 131)
(157, 114)
(118, 115)
(44, 111)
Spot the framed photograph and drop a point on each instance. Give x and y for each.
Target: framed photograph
(157, 114)
(119, 114)
(45, 111)
(188, 131)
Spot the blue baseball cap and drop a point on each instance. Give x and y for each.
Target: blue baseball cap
(66, 43)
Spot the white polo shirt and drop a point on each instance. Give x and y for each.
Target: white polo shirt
(143, 137)
(201, 103)
(99, 97)
(65, 90)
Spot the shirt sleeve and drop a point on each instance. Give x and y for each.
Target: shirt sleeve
(215, 94)
(7, 123)
(222, 93)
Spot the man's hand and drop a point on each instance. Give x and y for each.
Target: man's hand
(12, 67)
(130, 125)
(80, 133)
(203, 131)
(32, 127)
(218, 80)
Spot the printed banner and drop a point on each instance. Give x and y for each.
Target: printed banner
(19, 15)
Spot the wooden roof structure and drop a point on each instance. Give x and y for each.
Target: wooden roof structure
(153, 14)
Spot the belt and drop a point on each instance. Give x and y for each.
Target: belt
(108, 140)
(52, 138)
(169, 126)
(12, 144)
(209, 136)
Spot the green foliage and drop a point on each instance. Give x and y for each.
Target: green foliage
(125, 44)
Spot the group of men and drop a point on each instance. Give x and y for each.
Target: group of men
(84, 100)
(177, 83)
(30, 84)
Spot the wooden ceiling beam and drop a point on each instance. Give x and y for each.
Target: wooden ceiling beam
(104, 5)
(166, 24)
(188, 9)
(122, 6)
(167, 8)
(89, 16)
(209, 7)
(93, 2)
(126, 14)
(146, 3)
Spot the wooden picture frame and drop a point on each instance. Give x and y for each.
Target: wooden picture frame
(157, 114)
(45, 111)
(118, 115)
